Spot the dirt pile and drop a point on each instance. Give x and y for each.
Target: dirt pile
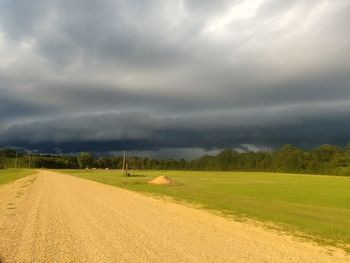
(162, 180)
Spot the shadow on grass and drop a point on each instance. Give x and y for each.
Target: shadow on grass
(135, 175)
(145, 183)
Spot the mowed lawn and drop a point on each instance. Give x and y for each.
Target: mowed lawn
(8, 175)
(314, 206)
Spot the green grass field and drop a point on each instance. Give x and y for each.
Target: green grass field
(316, 207)
(8, 175)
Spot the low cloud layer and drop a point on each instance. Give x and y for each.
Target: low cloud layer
(150, 75)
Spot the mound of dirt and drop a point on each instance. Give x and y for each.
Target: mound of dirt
(162, 180)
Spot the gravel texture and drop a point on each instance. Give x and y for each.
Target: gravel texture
(61, 218)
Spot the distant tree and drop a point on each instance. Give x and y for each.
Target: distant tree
(263, 161)
(181, 164)
(224, 159)
(246, 161)
(347, 149)
(71, 161)
(346, 155)
(85, 160)
(6, 152)
(289, 159)
(104, 162)
(324, 158)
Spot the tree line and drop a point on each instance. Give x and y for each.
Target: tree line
(326, 159)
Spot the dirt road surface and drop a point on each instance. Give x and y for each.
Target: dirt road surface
(52, 217)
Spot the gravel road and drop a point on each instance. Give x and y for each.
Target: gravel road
(52, 217)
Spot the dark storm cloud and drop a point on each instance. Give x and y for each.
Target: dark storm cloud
(195, 74)
(127, 31)
(10, 108)
(140, 132)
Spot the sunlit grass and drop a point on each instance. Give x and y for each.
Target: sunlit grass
(8, 175)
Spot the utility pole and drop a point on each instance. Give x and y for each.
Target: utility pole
(29, 160)
(124, 161)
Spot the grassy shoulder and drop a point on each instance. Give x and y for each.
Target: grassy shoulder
(317, 207)
(8, 175)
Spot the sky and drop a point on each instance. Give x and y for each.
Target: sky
(173, 78)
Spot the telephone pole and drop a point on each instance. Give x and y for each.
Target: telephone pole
(124, 161)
